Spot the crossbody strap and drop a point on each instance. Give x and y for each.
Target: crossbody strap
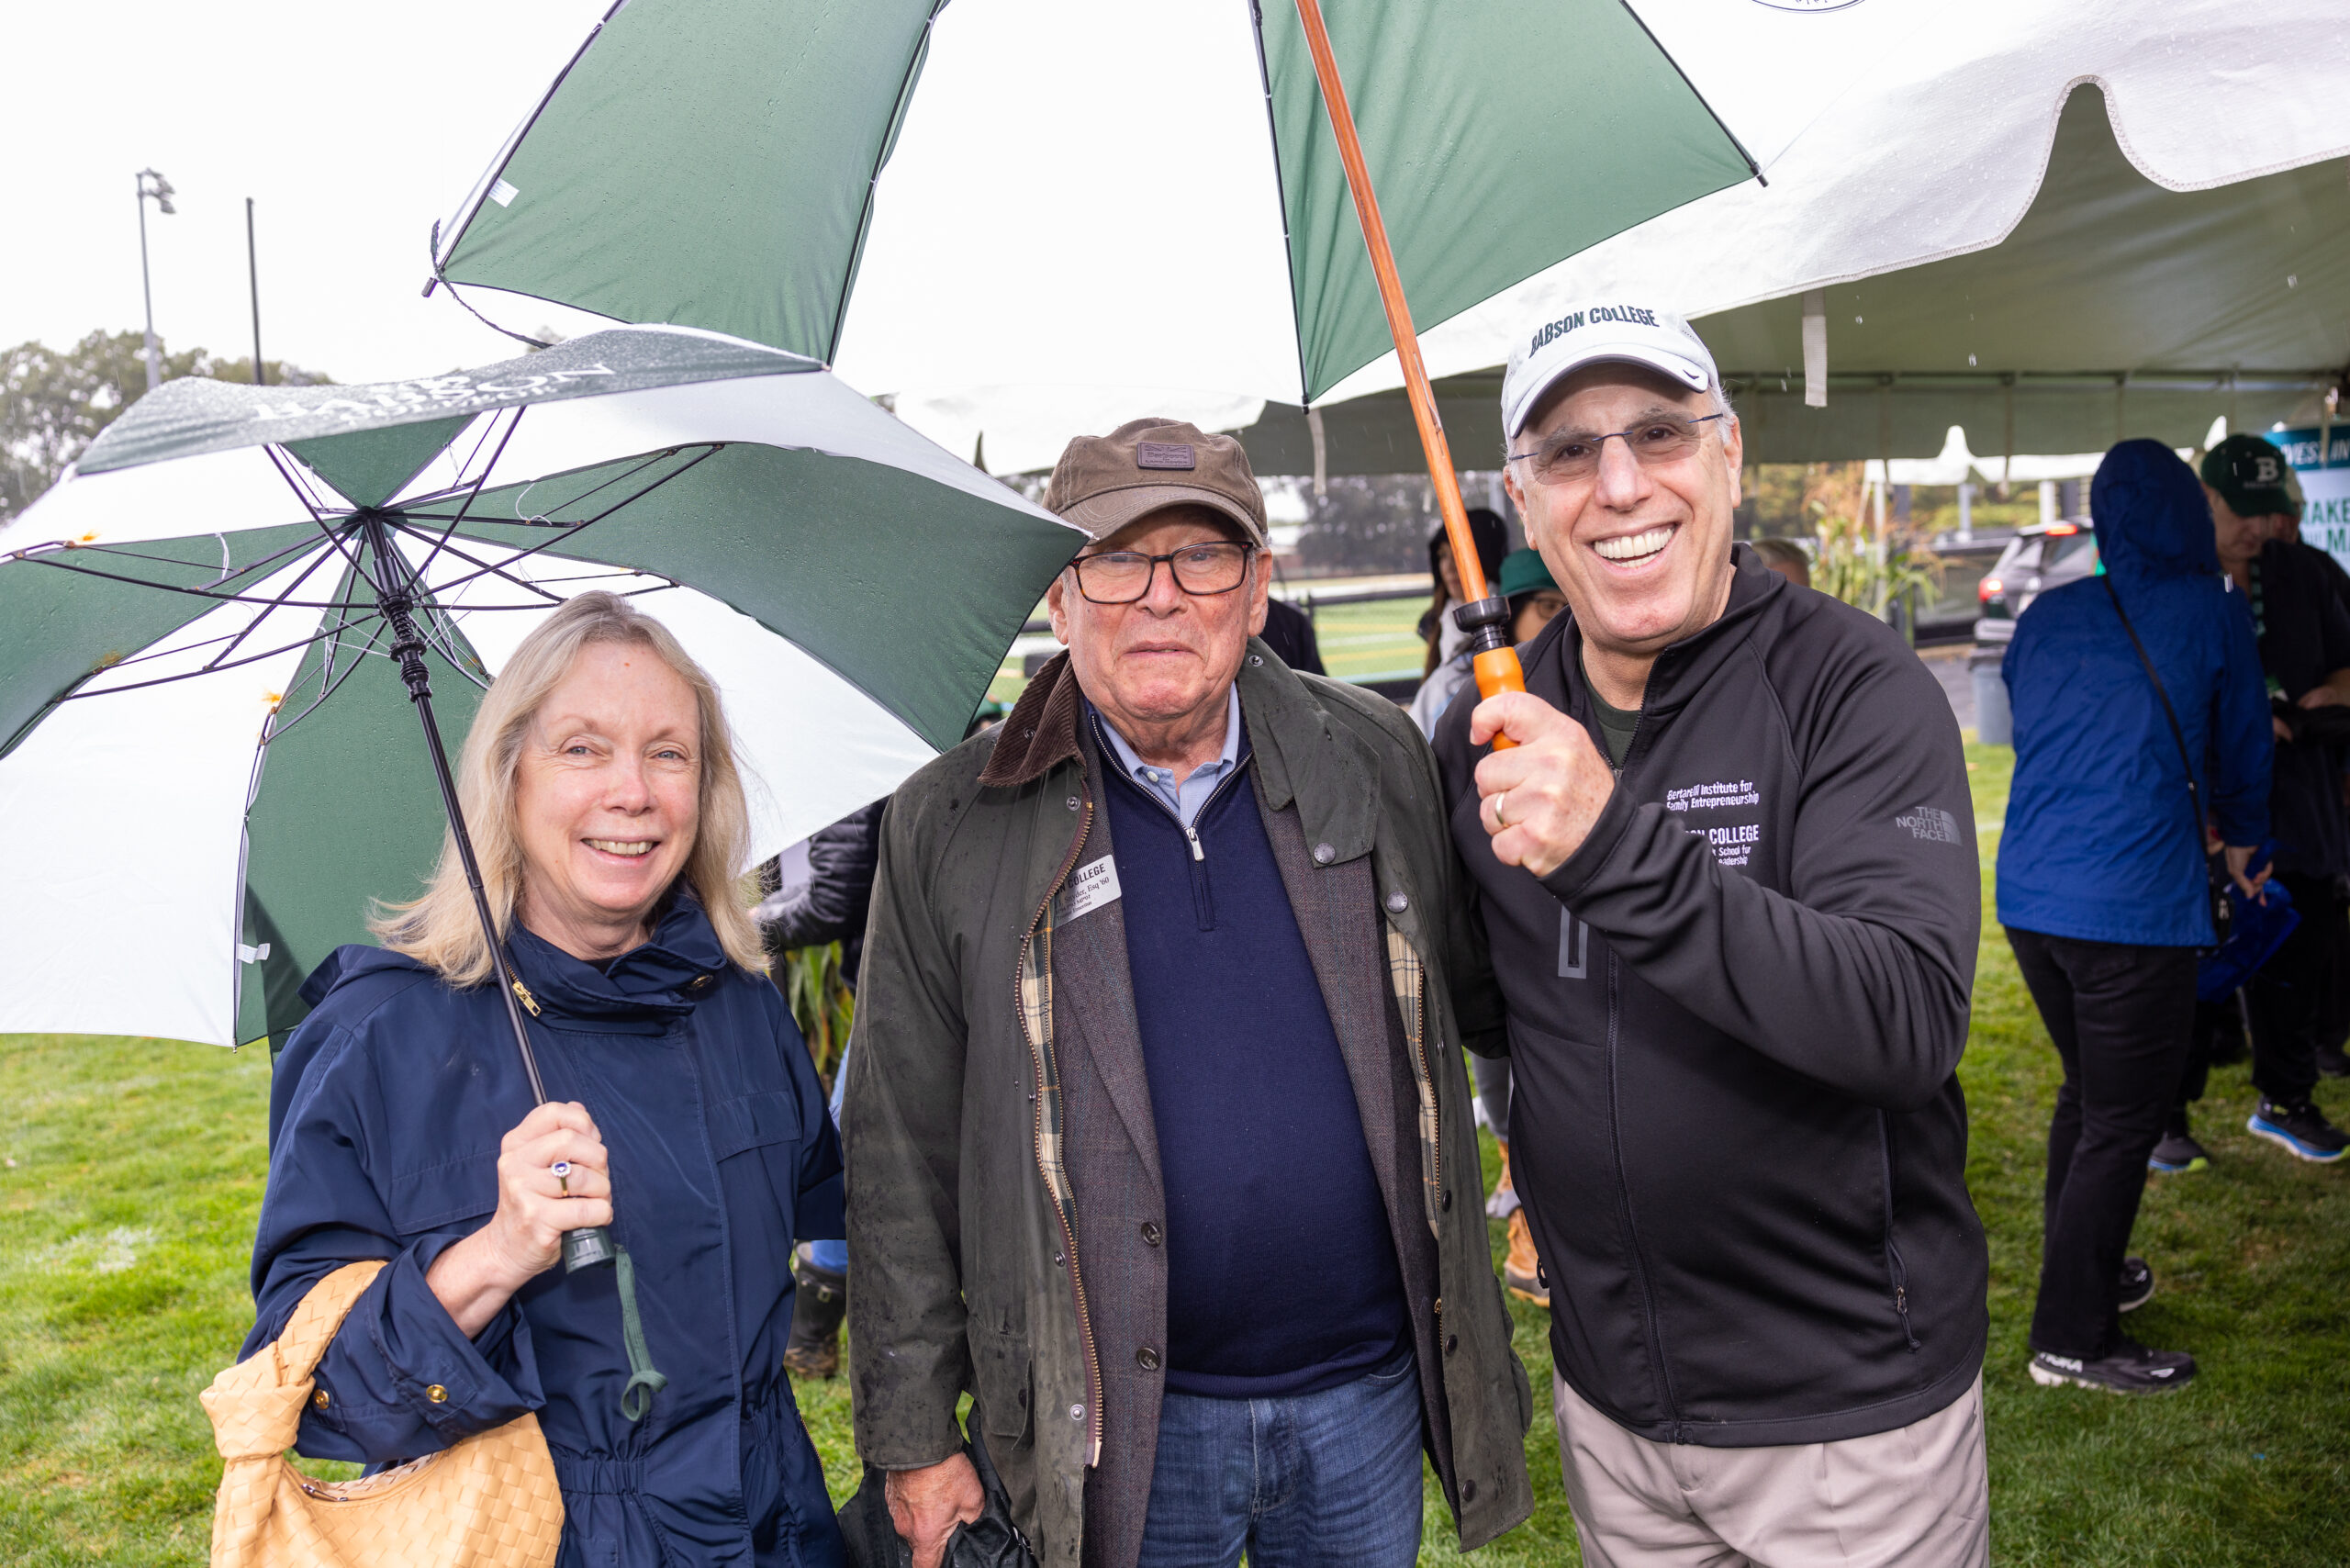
(2177, 735)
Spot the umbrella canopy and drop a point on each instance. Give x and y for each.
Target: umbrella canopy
(1055, 192)
(196, 706)
(2129, 212)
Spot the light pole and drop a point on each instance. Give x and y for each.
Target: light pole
(152, 186)
(253, 275)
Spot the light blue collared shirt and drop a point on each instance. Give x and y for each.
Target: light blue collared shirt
(1185, 798)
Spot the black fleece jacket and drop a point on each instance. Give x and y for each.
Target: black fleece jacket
(831, 906)
(1735, 1020)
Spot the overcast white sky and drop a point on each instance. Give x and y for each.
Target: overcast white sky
(352, 126)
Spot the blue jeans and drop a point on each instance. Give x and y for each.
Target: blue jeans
(1307, 1480)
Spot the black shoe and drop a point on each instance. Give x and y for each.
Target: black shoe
(2128, 1368)
(817, 1309)
(2332, 1062)
(2177, 1154)
(2137, 1284)
(2300, 1129)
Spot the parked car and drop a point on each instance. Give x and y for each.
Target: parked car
(2041, 556)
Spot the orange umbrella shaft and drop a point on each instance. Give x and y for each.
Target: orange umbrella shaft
(1496, 663)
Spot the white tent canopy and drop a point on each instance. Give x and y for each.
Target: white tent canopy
(2066, 201)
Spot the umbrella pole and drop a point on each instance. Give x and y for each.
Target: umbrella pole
(589, 1246)
(1485, 617)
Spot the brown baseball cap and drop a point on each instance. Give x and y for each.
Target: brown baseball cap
(1104, 482)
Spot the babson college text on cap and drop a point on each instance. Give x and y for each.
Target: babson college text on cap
(1630, 314)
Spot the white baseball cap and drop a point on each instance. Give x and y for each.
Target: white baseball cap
(1560, 341)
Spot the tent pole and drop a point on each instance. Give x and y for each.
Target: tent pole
(585, 1247)
(1485, 618)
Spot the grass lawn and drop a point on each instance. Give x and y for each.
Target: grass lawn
(134, 1170)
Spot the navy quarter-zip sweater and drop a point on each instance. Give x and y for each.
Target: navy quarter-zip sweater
(1281, 1276)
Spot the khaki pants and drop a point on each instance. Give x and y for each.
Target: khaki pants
(1918, 1495)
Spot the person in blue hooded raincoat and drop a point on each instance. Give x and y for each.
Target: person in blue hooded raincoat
(599, 785)
(2102, 885)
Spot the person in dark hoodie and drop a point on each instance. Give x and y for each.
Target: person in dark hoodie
(1729, 877)
(2102, 885)
(2304, 639)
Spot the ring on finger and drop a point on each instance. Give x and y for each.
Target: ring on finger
(561, 1172)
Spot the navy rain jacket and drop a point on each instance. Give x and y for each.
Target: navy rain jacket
(386, 1112)
(2101, 842)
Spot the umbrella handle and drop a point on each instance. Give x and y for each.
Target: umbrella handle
(1483, 617)
(592, 1245)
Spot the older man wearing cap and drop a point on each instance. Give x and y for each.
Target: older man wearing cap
(1160, 1140)
(1729, 878)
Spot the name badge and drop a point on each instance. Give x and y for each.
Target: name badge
(1090, 888)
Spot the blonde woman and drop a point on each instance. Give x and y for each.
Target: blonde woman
(600, 787)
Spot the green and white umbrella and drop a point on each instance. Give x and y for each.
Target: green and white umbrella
(1072, 194)
(210, 755)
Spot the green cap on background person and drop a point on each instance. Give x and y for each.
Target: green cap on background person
(1523, 571)
(2252, 477)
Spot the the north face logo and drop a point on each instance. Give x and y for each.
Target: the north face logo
(1930, 822)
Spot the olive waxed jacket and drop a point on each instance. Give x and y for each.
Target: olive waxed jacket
(993, 1256)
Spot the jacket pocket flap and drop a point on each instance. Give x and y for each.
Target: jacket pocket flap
(442, 1195)
(999, 1380)
(769, 1117)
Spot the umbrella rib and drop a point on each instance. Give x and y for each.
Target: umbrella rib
(433, 617)
(301, 490)
(210, 666)
(649, 459)
(252, 625)
(474, 494)
(571, 530)
(79, 696)
(529, 586)
(436, 619)
(330, 682)
(539, 519)
(499, 571)
(175, 588)
(249, 567)
(333, 537)
(708, 452)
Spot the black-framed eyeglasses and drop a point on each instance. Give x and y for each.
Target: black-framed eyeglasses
(1121, 576)
(1565, 457)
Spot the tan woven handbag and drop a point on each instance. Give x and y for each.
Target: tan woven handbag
(490, 1502)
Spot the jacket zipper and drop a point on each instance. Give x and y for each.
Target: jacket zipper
(1631, 1232)
(1897, 1273)
(1069, 1232)
(1427, 1082)
(1191, 830)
